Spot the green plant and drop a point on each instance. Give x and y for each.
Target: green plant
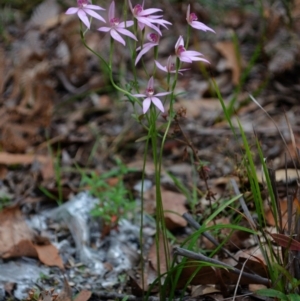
(4, 201)
(115, 201)
(58, 180)
(281, 265)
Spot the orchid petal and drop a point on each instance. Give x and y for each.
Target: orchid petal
(83, 17)
(146, 104)
(159, 21)
(191, 53)
(157, 102)
(141, 25)
(188, 12)
(179, 42)
(111, 11)
(143, 51)
(185, 59)
(104, 29)
(126, 24)
(161, 67)
(94, 15)
(126, 33)
(145, 21)
(139, 95)
(95, 7)
(162, 94)
(150, 84)
(149, 11)
(144, 46)
(130, 5)
(117, 37)
(201, 26)
(72, 10)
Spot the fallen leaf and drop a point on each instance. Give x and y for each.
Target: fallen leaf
(227, 49)
(136, 281)
(162, 249)
(47, 169)
(284, 213)
(286, 241)
(49, 255)
(13, 229)
(12, 159)
(83, 296)
(174, 207)
(210, 275)
(282, 175)
(17, 240)
(201, 290)
(66, 293)
(12, 140)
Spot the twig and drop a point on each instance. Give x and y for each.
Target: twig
(196, 225)
(115, 296)
(239, 280)
(243, 204)
(192, 255)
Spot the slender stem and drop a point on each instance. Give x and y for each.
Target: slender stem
(188, 36)
(111, 53)
(109, 69)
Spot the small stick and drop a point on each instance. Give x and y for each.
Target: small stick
(196, 226)
(192, 255)
(114, 296)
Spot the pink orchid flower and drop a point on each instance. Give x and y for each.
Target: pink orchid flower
(192, 20)
(170, 67)
(145, 17)
(151, 97)
(187, 56)
(116, 26)
(154, 40)
(84, 9)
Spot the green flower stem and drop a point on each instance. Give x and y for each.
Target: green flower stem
(160, 224)
(111, 50)
(133, 55)
(109, 69)
(188, 36)
(155, 57)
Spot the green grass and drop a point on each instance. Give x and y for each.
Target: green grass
(114, 201)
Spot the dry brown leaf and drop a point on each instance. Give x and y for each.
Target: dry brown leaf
(174, 207)
(227, 49)
(83, 296)
(3, 171)
(66, 293)
(280, 175)
(23, 248)
(296, 9)
(207, 109)
(16, 239)
(210, 275)
(162, 249)
(284, 213)
(13, 229)
(201, 290)
(48, 254)
(47, 169)
(12, 159)
(136, 281)
(12, 140)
